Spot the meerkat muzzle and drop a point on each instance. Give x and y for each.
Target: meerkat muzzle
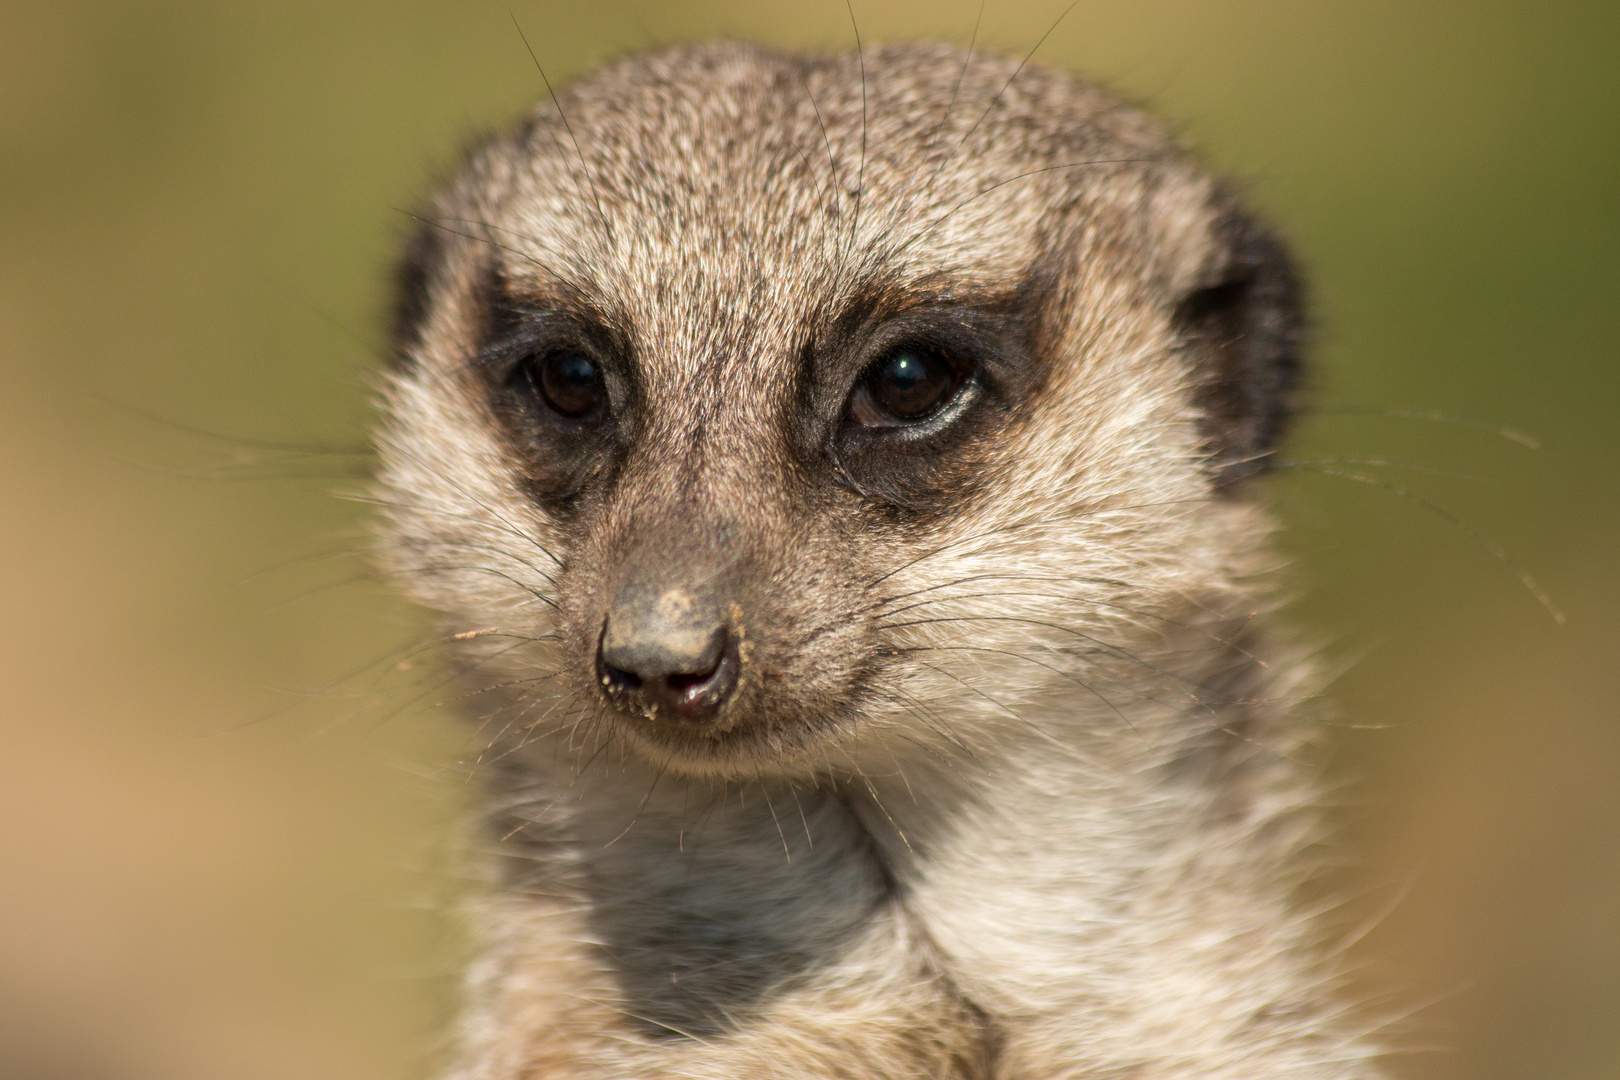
(668, 653)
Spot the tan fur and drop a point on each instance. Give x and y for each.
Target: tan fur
(1005, 790)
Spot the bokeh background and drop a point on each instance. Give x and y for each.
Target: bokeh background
(229, 810)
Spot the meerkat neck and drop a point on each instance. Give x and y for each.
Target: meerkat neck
(1065, 856)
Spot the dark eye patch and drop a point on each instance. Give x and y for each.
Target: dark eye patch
(907, 397)
(560, 382)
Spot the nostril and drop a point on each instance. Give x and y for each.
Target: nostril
(619, 679)
(696, 697)
(682, 682)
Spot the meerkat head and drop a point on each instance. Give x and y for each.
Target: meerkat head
(748, 405)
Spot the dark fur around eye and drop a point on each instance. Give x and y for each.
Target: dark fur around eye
(557, 379)
(932, 387)
(557, 411)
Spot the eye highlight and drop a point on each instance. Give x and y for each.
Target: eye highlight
(567, 381)
(907, 386)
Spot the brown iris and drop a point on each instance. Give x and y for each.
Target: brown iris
(908, 385)
(568, 381)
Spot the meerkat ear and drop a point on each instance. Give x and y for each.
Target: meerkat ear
(414, 279)
(1243, 335)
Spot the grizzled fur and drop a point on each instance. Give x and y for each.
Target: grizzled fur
(1003, 788)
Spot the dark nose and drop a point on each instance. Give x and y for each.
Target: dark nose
(667, 653)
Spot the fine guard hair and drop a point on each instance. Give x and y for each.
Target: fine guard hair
(836, 478)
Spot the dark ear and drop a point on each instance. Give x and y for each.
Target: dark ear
(1243, 338)
(413, 289)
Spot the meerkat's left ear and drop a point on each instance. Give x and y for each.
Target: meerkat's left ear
(1243, 330)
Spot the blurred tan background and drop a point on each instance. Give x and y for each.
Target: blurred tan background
(227, 843)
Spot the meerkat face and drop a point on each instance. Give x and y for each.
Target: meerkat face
(765, 400)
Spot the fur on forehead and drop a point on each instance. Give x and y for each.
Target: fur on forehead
(719, 176)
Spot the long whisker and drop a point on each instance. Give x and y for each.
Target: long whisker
(635, 817)
(422, 691)
(877, 800)
(439, 224)
(378, 500)
(975, 578)
(479, 568)
(933, 176)
(324, 691)
(1020, 526)
(1511, 434)
(1059, 672)
(933, 720)
(860, 179)
(458, 673)
(970, 688)
(826, 141)
(1382, 463)
(1100, 646)
(967, 62)
(764, 792)
(500, 518)
(809, 840)
(601, 217)
(309, 449)
(1496, 550)
(1016, 72)
(1223, 642)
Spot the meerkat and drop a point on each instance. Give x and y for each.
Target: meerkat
(836, 475)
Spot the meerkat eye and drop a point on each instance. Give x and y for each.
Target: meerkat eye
(908, 385)
(568, 381)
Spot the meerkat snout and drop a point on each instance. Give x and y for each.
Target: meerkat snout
(667, 651)
(848, 464)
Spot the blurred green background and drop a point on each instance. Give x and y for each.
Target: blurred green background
(224, 854)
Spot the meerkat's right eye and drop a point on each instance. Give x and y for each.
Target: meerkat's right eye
(566, 381)
(908, 385)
